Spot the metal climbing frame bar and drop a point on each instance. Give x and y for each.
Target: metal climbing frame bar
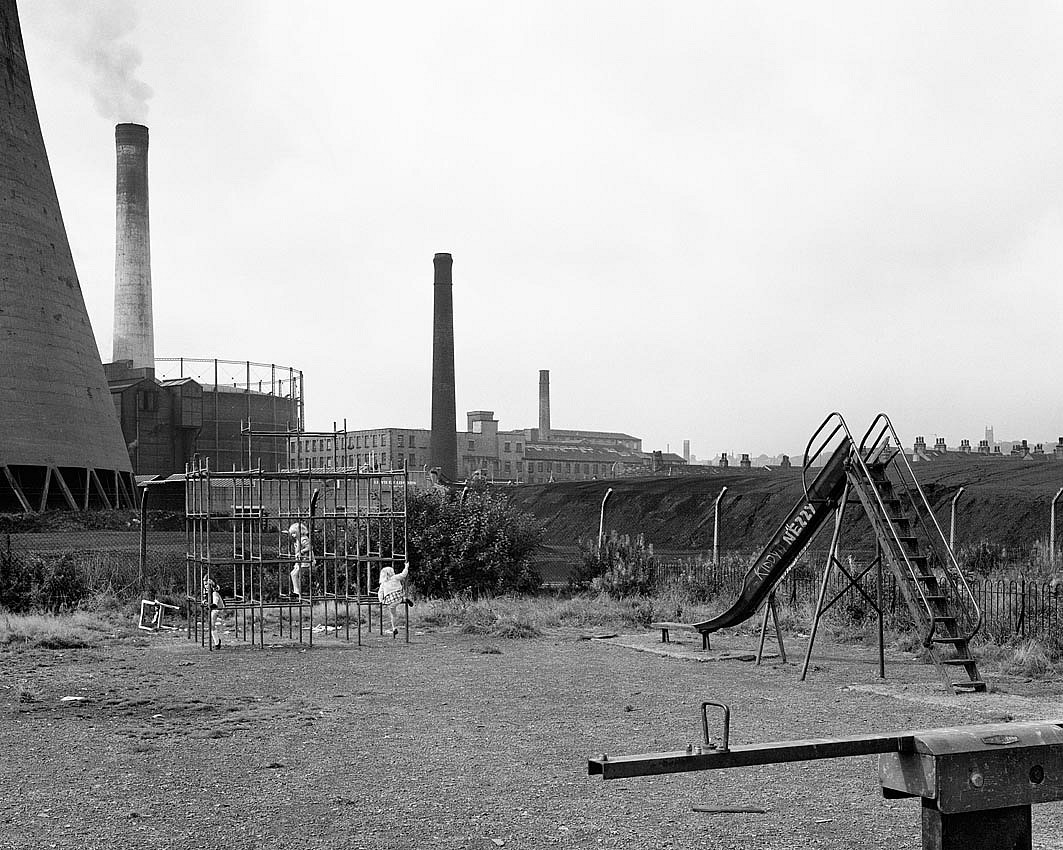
(246, 530)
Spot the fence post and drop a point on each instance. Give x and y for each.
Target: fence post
(143, 536)
(601, 522)
(952, 521)
(1052, 529)
(1022, 610)
(716, 529)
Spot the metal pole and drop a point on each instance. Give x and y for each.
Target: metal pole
(1052, 528)
(831, 553)
(143, 535)
(601, 521)
(952, 519)
(716, 529)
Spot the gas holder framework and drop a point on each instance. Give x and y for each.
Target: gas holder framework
(237, 535)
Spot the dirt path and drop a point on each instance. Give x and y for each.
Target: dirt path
(452, 742)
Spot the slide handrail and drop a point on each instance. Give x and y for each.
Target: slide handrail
(808, 461)
(886, 430)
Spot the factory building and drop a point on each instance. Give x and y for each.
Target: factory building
(520, 456)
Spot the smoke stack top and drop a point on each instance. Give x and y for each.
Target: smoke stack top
(544, 404)
(443, 446)
(134, 332)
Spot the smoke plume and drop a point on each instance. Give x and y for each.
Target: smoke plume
(102, 45)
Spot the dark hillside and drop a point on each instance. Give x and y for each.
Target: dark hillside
(1006, 502)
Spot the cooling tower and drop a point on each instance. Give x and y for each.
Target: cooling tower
(60, 444)
(134, 337)
(443, 447)
(544, 405)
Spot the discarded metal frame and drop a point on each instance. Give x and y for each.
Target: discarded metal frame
(976, 783)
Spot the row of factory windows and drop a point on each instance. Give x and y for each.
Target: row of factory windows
(324, 444)
(358, 461)
(382, 461)
(506, 447)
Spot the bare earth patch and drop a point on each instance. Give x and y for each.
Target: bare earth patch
(453, 742)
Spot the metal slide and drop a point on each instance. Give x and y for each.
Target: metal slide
(796, 532)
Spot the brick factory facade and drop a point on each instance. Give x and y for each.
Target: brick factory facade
(482, 449)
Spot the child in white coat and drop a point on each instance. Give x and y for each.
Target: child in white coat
(213, 594)
(391, 592)
(303, 553)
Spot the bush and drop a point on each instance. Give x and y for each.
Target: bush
(479, 543)
(42, 582)
(622, 568)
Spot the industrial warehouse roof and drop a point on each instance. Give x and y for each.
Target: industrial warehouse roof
(564, 451)
(613, 435)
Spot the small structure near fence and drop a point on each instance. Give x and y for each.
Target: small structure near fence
(237, 531)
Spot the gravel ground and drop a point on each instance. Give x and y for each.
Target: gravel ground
(452, 741)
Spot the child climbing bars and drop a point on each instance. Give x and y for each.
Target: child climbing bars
(217, 605)
(303, 553)
(391, 592)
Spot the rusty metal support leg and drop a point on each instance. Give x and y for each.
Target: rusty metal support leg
(764, 628)
(772, 609)
(831, 555)
(778, 628)
(992, 829)
(881, 615)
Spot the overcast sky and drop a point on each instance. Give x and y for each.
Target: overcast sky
(711, 221)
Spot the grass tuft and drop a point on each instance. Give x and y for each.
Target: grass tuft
(68, 631)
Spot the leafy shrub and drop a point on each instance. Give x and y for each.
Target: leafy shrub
(623, 567)
(42, 582)
(477, 543)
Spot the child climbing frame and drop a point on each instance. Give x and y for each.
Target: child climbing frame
(237, 534)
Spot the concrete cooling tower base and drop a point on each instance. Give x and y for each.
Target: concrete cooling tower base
(60, 443)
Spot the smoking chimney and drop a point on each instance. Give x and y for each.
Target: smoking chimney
(134, 335)
(544, 405)
(443, 447)
(60, 443)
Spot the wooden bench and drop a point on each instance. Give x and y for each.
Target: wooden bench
(676, 627)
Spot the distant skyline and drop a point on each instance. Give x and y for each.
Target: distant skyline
(709, 221)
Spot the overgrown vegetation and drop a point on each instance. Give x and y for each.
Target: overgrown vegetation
(478, 543)
(622, 567)
(69, 631)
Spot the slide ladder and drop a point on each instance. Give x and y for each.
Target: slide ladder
(911, 542)
(916, 550)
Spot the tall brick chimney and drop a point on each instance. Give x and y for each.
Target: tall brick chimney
(134, 334)
(60, 442)
(443, 444)
(544, 405)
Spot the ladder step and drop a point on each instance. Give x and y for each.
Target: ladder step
(944, 618)
(931, 597)
(973, 686)
(946, 639)
(957, 662)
